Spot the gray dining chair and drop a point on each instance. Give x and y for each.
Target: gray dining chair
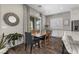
(31, 40)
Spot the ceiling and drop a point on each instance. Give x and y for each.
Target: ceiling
(48, 9)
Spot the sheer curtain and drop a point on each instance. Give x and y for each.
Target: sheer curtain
(56, 24)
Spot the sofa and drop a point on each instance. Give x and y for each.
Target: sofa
(71, 41)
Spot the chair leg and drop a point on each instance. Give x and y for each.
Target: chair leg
(63, 48)
(44, 43)
(25, 46)
(31, 48)
(38, 44)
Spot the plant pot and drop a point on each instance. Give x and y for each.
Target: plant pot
(4, 50)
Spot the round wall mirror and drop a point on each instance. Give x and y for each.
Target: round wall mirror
(11, 19)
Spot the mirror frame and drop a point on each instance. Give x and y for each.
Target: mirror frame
(6, 19)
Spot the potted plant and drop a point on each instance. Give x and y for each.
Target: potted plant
(10, 38)
(3, 42)
(13, 37)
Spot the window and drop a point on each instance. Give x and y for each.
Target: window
(34, 23)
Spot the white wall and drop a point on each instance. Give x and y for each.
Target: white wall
(18, 10)
(43, 23)
(33, 12)
(6, 29)
(75, 14)
(25, 16)
(47, 20)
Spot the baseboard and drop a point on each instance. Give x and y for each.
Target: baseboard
(56, 37)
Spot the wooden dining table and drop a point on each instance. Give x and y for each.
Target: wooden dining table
(39, 35)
